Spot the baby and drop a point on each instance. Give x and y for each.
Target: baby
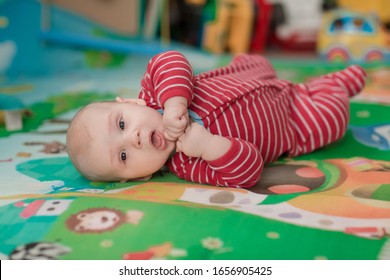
(218, 127)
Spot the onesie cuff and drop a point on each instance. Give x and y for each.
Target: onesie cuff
(174, 93)
(229, 156)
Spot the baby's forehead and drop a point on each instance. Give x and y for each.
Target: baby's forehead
(83, 117)
(95, 108)
(101, 105)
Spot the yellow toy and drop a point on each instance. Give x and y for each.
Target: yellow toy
(232, 27)
(380, 7)
(348, 35)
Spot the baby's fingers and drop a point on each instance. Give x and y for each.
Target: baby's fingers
(172, 133)
(176, 126)
(183, 121)
(174, 129)
(175, 123)
(171, 136)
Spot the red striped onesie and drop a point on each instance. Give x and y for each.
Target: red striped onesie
(264, 117)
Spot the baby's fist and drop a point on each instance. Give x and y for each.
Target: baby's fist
(175, 119)
(193, 142)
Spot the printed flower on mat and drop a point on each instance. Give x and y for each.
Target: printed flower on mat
(212, 243)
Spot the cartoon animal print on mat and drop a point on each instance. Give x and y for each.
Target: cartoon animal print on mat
(331, 201)
(41, 207)
(54, 147)
(292, 177)
(358, 203)
(39, 251)
(289, 178)
(354, 198)
(98, 220)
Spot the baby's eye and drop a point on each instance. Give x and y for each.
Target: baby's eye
(121, 124)
(123, 155)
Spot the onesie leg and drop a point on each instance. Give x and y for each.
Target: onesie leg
(320, 108)
(351, 79)
(260, 65)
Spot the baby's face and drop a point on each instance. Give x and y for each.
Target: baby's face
(127, 141)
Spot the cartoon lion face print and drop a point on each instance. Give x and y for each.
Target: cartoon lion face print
(95, 220)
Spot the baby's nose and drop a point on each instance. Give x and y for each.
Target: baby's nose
(136, 139)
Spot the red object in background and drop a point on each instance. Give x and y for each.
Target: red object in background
(294, 25)
(296, 42)
(261, 26)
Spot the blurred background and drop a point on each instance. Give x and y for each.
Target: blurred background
(58, 55)
(99, 48)
(38, 37)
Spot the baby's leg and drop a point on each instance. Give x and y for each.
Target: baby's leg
(351, 80)
(320, 108)
(259, 64)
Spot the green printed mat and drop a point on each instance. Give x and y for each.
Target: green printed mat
(331, 204)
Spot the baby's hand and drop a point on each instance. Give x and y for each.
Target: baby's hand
(175, 118)
(194, 141)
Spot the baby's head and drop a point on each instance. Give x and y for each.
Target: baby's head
(118, 141)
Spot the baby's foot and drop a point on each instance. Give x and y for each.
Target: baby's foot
(351, 80)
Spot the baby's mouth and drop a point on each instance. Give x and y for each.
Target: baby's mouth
(158, 140)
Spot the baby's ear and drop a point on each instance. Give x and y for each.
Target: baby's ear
(135, 101)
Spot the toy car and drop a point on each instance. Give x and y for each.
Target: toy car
(353, 36)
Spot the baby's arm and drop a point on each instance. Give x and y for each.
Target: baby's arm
(167, 85)
(217, 160)
(197, 141)
(175, 118)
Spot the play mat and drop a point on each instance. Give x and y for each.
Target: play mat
(331, 204)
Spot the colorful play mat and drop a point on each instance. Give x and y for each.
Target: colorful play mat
(331, 204)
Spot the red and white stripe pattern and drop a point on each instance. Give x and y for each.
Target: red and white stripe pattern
(264, 117)
(167, 75)
(320, 108)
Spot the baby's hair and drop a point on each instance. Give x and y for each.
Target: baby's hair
(77, 140)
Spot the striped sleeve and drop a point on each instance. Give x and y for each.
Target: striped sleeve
(168, 74)
(240, 167)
